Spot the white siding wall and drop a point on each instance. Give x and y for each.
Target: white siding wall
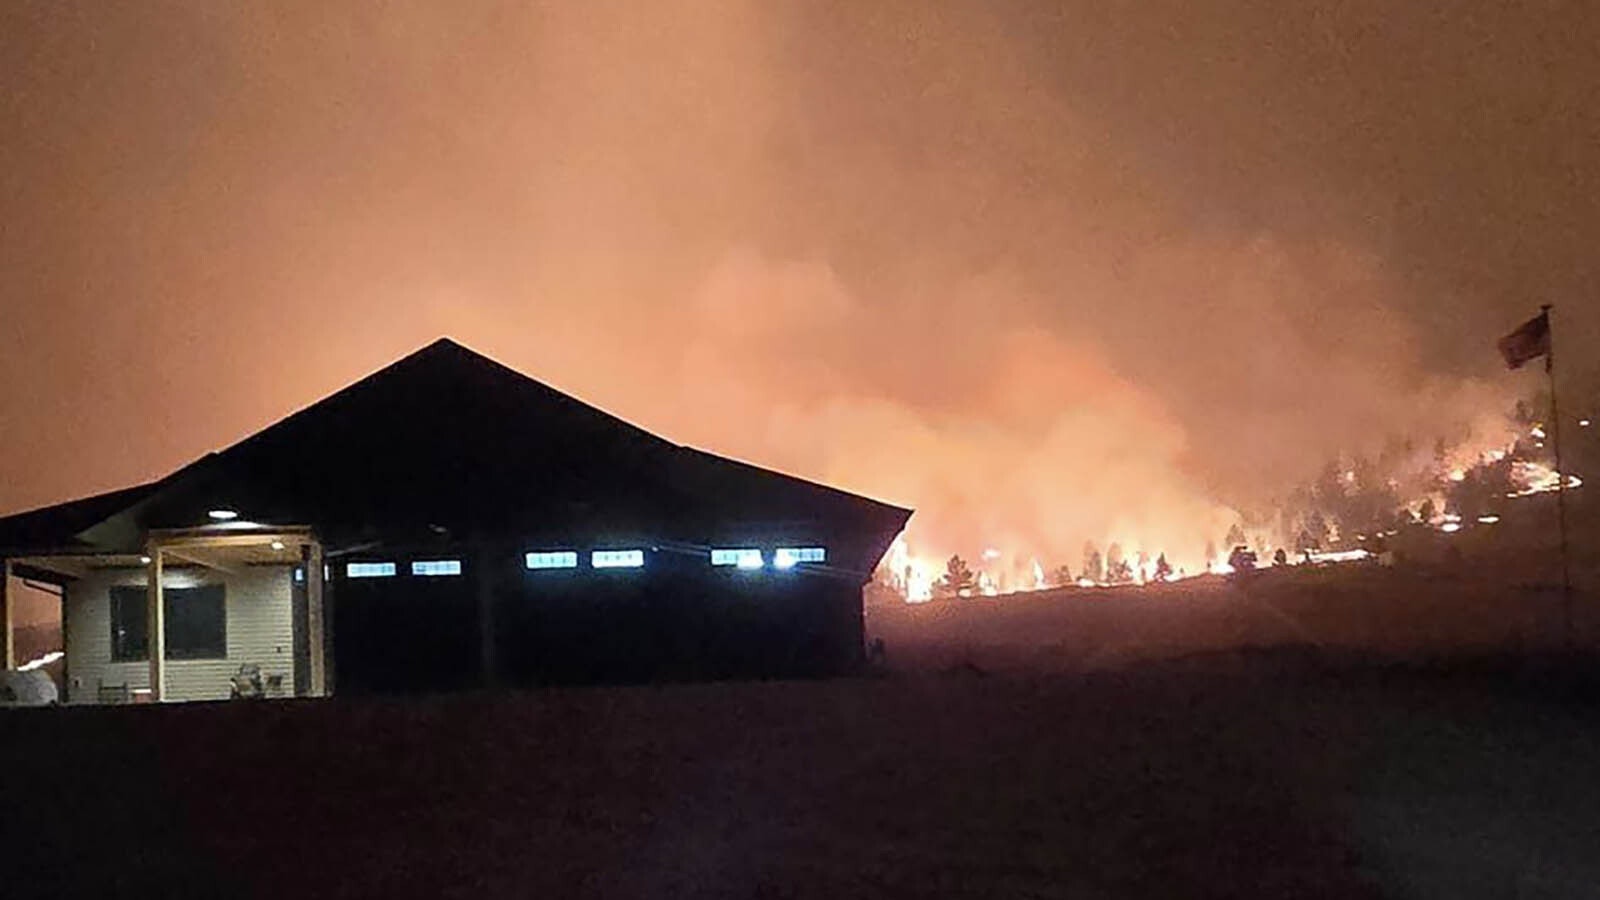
(259, 623)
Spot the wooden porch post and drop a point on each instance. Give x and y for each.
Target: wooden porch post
(9, 603)
(156, 626)
(314, 621)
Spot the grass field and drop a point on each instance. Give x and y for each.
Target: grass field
(1361, 611)
(1259, 780)
(1360, 732)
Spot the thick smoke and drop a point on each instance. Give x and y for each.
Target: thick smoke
(1047, 275)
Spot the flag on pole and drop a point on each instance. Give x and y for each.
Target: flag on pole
(1530, 341)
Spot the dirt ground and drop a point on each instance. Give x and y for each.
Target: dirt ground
(1261, 779)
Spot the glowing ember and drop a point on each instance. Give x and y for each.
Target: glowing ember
(1537, 478)
(1488, 520)
(1450, 527)
(1339, 556)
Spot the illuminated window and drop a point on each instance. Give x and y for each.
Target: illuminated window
(616, 559)
(556, 559)
(430, 567)
(787, 557)
(369, 570)
(744, 558)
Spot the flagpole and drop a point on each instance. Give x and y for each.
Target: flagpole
(1561, 482)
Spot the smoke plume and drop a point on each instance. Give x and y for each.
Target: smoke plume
(1049, 273)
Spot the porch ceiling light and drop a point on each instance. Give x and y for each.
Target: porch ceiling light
(277, 545)
(223, 514)
(144, 560)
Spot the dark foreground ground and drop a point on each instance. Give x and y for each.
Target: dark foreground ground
(1266, 778)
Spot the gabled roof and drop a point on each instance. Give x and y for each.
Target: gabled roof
(448, 438)
(57, 528)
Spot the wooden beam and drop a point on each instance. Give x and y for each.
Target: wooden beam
(195, 538)
(8, 600)
(316, 643)
(156, 619)
(200, 557)
(69, 566)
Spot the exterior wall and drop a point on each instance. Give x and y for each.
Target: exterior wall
(675, 619)
(259, 624)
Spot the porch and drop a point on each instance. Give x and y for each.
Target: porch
(187, 617)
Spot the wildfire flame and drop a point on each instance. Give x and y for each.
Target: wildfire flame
(999, 571)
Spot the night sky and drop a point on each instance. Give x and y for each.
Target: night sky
(1046, 271)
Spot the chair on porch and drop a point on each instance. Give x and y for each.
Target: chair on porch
(113, 693)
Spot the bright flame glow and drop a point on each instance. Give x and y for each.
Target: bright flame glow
(912, 576)
(1488, 520)
(1339, 556)
(1450, 527)
(1537, 478)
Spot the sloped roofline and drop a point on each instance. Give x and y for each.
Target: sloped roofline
(59, 526)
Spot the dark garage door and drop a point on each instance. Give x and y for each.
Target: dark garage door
(405, 633)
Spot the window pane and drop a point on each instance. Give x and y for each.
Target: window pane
(744, 558)
(369, 570)
(616, 559)
(787, 557)
(129, 625)
(427, 567)
(197, 622)
(552, 559)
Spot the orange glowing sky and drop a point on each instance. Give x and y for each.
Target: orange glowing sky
(1048, 272)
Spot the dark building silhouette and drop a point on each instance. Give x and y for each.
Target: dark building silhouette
(448, 522)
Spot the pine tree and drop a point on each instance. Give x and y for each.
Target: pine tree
(957, 578)
(1236, 536)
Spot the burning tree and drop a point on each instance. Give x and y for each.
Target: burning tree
(1093, 566)
(1163, 568)
(1118, 569)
